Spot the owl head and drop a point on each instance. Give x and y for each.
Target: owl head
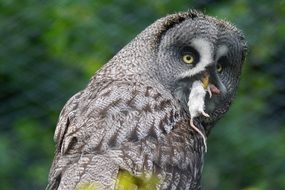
(202, 48)
(185, 47)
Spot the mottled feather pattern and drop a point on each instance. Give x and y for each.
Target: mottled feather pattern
(106, 126)
(133, 114)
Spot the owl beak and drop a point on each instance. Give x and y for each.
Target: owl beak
(205, 80)
(211, 88)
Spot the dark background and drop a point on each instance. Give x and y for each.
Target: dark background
(50, 49)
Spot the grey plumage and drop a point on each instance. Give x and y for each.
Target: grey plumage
(133, 115)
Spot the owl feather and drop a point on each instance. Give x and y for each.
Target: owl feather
(133, 115)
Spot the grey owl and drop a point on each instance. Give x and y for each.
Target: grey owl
(134, 114)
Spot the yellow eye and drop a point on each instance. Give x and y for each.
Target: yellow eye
(219, 68)
(188, 59)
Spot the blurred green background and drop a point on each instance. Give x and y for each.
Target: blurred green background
(50, 49)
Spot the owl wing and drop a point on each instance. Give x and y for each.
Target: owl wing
(99, 132)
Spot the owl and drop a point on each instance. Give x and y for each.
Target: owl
(149, 110)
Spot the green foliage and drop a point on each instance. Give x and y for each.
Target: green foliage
(49, 50)
(88, 186)
(126, 181)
